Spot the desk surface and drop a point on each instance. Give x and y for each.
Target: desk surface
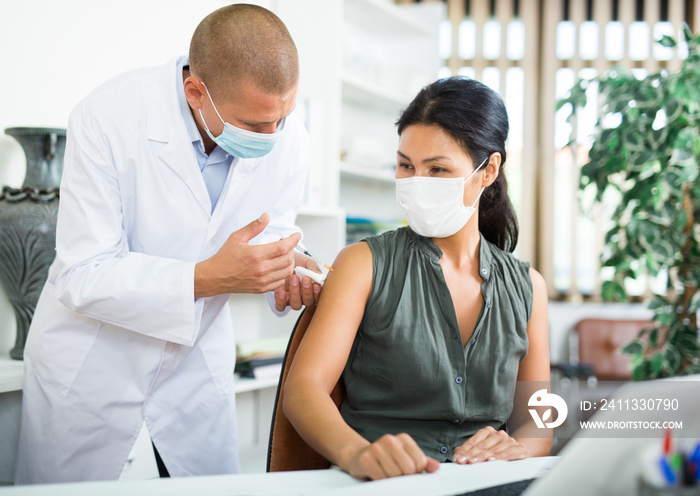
(12, 374)
(451, 479)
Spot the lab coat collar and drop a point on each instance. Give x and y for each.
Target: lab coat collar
(165, 124)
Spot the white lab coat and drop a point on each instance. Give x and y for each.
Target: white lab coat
(117, 337)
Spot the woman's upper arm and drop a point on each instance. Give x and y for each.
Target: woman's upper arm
(535, 366)
(326, 346)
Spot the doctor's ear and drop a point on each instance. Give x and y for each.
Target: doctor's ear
(194, 92)
(491, 169)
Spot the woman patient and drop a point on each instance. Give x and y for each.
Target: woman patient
(431, 325)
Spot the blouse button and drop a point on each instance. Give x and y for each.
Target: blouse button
(459, 379)
(488, 304)
(443, 449)
(484, 271)
(455, 421)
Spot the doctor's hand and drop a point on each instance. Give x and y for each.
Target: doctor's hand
(389, 456)
(489, 444)
(242, 268)
(298, 292)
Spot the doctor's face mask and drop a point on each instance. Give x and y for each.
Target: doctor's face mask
(240, 142)
(434, 206)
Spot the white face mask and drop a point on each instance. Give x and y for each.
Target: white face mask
(433, 206)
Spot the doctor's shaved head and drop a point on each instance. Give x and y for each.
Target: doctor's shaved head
(244, 41)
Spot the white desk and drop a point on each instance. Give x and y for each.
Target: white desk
(451, 479)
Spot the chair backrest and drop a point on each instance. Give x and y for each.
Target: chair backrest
(287, 450)
(599, 343)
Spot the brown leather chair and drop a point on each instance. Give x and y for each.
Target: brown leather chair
(286, 449)
(599, 344)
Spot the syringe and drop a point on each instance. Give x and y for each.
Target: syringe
(299, 247)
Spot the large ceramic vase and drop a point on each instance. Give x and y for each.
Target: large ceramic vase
(28, 224)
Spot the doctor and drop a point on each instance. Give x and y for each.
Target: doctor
(171, 176)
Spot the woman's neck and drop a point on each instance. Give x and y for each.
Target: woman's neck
(461, 250)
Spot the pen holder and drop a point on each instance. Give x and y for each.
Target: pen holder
(646, 489)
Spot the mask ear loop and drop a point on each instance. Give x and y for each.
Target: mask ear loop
(477, 197)
(212, 104)
(470, 176)
(475, 170)
(215, 110)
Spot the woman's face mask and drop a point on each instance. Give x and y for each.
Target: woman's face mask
(434, 207)
(240, 142)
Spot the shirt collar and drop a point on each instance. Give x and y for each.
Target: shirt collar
(427, 246)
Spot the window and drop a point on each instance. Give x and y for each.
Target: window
(532, 52)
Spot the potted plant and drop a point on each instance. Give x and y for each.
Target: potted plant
(646, 152)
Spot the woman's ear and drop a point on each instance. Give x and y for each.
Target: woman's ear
(491, 170)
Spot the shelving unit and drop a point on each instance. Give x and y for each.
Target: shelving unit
(390, 51)
(349, 170)
(386, 16)
(397, 53)
(248, 385)
(363, 92)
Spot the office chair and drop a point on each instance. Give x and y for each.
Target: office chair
(595, 349)
(594, 356)
(287, 450)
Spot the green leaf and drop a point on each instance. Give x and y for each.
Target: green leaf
(667, 41)
(673, 357)
(657, 302)
(694, 303)
(687, 33)
(658, 363)
(688, 346)
(653, 337)
(665, 318)
(633, 348)
(613, 291)
(664, 251)
(642, 371)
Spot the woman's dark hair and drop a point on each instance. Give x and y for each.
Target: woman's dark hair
(475, 116)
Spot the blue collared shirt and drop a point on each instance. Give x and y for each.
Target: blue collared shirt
(216, 165)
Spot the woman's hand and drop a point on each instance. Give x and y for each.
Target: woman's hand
(489, 444)
(389, 456)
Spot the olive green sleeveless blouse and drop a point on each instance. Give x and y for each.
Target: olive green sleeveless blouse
(407, 370)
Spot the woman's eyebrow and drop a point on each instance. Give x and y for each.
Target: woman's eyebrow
(427, 160)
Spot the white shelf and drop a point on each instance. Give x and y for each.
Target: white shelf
(368, 173)
(11, 375)
(384, 16)
(359, 90)
(310, 211)
(244, 385)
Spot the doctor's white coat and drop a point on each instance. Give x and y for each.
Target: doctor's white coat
(117, 337)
